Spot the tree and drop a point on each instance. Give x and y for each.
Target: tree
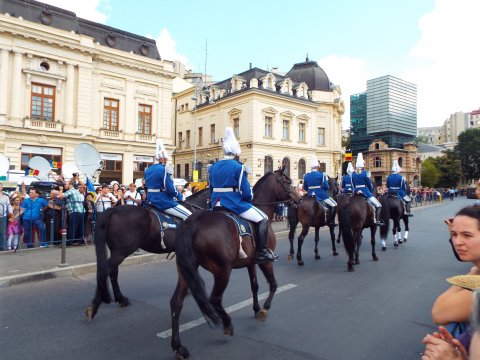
(468, 151)
(429, 173)
(449, 168)
(422, 139)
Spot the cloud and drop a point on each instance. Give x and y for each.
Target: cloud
(350, 74)
(86, 9)
(444, 63)
(167, 48)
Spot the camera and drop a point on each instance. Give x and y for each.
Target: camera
(142, 192)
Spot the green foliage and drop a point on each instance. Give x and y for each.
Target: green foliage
(346, 141)
(468, 151)
(449, 168)
(429, 173)
(422, 139)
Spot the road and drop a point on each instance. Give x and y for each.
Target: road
(380, 311)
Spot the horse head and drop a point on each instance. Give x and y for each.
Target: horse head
(333, 186)
(285, 190)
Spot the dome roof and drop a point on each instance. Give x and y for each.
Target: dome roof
(310, 73)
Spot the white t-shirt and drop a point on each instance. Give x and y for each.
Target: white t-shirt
(128, 195)
(105, 202)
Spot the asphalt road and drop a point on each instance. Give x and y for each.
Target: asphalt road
(380, 311)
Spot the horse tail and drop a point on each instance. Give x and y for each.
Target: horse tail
(346, 229)
(385, 217)
(188, 266)
(101, 232)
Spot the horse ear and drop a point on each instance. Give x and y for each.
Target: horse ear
(336, 178)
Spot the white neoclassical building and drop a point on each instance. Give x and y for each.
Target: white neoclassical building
(66, 80)
(277, 119)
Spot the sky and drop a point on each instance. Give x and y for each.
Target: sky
(434, 44)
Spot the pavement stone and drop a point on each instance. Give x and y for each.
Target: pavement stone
(36, 264)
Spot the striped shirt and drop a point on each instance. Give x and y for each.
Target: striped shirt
(74, 201)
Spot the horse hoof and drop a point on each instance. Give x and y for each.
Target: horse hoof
(182, 353)
(123, 302)
(357, 262)
(300, 263)
(404, 240)
(317, 257)
(375, 258)
(290, 257)
(384, 248)
(351, 268)
(395, 244)
(261, 315)
(90, 312)
(400, 241)
(335, 253)
(228, 330)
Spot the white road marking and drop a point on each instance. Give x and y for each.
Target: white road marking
(191, 324)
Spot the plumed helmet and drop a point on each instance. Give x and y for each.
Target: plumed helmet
(396, 168)
(350, 168)
(160, 151)
(230, 143)
(314, 162)
(360, 163)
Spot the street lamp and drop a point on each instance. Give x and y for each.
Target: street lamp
(195, 98)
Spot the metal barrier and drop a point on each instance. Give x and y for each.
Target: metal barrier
(3, 226)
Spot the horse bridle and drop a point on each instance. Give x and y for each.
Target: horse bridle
(288, 190)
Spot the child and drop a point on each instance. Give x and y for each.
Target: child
(14, 228)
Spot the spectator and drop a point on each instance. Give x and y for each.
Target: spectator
(187, 190)
(89, 205)
(105, 200)
(74, 202)
(131, 196)
(477, 193)
(5, 210)
(33, 218)
(53, 212)
(142, 190)
(117, 192)
(14, 229)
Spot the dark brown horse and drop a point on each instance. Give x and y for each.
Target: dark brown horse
(211, 240)
(310, 213)
(354, 215)
(124, 229)
(393, 209)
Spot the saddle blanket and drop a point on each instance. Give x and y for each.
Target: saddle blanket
(166, 221)
(243, 225)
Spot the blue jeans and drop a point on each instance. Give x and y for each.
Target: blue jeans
(3, 232)
(27, 229)
(75, 227)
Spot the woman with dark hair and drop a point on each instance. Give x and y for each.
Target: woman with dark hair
(456, 303)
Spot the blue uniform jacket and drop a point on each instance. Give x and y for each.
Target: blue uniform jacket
(316, 182)
(229, 174)
(157, 178)
(396, 183)
(347, 185)
(362, 183)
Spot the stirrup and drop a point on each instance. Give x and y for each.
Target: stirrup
(265, 255)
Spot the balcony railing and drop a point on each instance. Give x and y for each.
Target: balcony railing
(144, 138)
(42, 124)
(111, 134)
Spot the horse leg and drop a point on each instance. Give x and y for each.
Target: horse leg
(113, 263)
(267, 269)
(92, 309)
(291, 238)
(332, 238)
(317, 238)
(176, 305)
(300, 243)
(399, 232)
(373, 230)
(221, 278)
(358, 242)
(252, 273)
(405, 234)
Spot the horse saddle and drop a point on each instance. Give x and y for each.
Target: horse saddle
(243, 225)
(166, 221)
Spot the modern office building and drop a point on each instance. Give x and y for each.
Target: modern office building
(359, 139)
(392, 110)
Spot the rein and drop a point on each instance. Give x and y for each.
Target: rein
(273, 203)
(194, 206)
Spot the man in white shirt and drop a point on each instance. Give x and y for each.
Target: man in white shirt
(131, 196)
(105, 199)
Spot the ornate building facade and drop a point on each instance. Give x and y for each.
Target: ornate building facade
(66, 80)
(379, 161)
(276, 118)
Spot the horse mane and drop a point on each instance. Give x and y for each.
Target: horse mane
(262, 180)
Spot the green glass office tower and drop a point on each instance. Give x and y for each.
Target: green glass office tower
(359, 139)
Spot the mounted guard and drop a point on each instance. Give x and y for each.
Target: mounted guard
(161, 192)
(230, 189)
(362, 184)
(397, 185)
(347, 185)
(315, 183)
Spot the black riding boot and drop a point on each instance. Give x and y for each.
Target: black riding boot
(332, 212)
(264, 254)
(378, 221)
(408, 205)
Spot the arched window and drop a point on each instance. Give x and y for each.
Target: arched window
(286, 162)
(400, 162)
(268, 165)
(301, 168)
(377, 146)
(377, 162)
(187, 172)
(178, 171)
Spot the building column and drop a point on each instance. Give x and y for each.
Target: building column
(69, 95)
(3, 84)
(16, 94)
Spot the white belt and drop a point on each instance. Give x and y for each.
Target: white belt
(360, 186)
(314, 187)
(155, 190)
(394, 188)
(229, 189)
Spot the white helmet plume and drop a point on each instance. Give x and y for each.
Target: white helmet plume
(396, 168)
(350, 168)
(160, 151)
(230, 143)
(314, 162)
(360, 163)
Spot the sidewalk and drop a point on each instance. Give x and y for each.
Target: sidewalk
(45, 263)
